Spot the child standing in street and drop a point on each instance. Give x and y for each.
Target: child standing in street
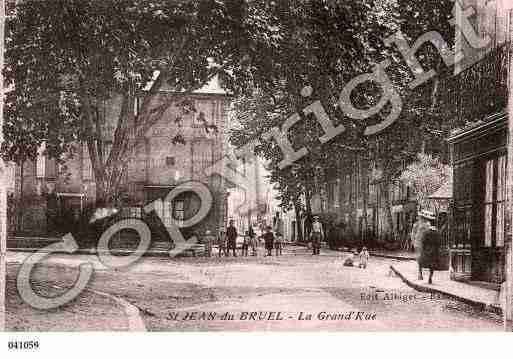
(269, 240)
(364, 258)
(221, 243)
(278, 243)
(245, 244)
(208, 240)
(253, 242)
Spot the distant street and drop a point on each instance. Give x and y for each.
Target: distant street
(296, 291)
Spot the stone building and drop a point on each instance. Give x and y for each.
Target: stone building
(189, 138)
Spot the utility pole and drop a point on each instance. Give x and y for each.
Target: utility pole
(3, 182)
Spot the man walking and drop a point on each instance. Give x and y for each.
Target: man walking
(316, 235)
(231, 234)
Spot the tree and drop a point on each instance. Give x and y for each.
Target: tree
(65, 58)
(318, 47)
(426, 175)
(326, 44)
(421, 127)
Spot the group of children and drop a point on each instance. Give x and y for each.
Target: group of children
(363, 257)
(271, 241)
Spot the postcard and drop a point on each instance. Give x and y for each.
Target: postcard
(256, 166)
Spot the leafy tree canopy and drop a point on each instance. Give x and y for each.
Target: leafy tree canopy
(66, 57)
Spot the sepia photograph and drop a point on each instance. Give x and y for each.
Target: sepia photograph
(255, 166)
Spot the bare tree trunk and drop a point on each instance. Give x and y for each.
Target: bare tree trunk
(365, 198)
(20, 201)
(130, 130)
(388, 208)
(299, 231)
(308, 222)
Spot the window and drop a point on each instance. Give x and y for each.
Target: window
(167, 213)
(215, 112)
(501, 201)
(179, 211)
(348, 189)
(494, 202)
(336, 190)
(137, 106)
(40, 165)
(488, 204)
(372, 193)
(170, 161)
(87, 166)
(331, 190)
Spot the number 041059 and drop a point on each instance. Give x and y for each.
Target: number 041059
(23, 345)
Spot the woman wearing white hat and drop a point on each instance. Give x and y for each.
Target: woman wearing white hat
(428, 255)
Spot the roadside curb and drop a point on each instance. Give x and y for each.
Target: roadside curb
(135, 322)
(382, 255)
(391, 256)
(134, 319)
(93, 252)
(373, 254)
(422, 288)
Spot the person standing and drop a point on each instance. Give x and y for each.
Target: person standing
(251, 231)
(333, 233)
(278, 233)
(231, 234)
(418, 227)
(252, 241)
(316, 235)
(428, 246)
(208, 240)
(278, 224)
(278, 243)
(269, 240)
(364, 258)
(245, 244)
(221, 242)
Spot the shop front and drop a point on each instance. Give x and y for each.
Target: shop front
(478, 215)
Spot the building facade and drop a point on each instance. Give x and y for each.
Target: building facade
(356, 199)
(477, 95)
(252, 202)
(480, 219)
(188, 139)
